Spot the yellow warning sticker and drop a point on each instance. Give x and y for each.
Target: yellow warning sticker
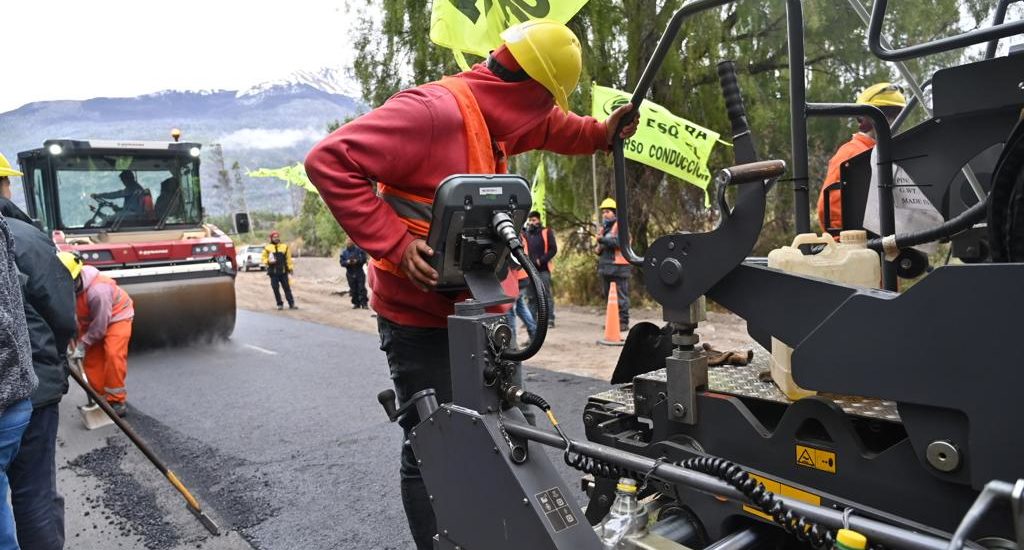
(818, 459)
(781, 489)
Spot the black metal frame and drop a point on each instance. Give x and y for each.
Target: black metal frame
(997, 19)
(469, 445)
(639, 93)
(940, 45)
(883, 145)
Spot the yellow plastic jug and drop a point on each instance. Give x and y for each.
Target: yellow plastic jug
(848, 261)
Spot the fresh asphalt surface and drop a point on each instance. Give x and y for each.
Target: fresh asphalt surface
(279, 435)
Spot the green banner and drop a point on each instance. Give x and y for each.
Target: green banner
(292, 175)
(663, 140)
(474, 26)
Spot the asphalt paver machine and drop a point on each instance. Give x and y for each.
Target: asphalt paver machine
(133, 209)
(914, 437)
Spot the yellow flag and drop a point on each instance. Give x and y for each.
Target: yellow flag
(474, 26)
(292, 175)
(663, 140)
(539, 191)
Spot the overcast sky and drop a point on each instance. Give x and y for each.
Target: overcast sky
(75, 49)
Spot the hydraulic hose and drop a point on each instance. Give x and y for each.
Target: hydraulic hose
(892, 244)
(505, 229)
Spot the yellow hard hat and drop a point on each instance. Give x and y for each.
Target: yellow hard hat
(550, 53)
(883, 94)
(5, 168)
(608, 203)
(72, 261)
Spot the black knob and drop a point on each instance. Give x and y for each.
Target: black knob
(387, 400)
(489, 257)
(670, 271)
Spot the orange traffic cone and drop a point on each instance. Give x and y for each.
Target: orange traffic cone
(612, 335)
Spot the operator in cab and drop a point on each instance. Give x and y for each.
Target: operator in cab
(138, 203)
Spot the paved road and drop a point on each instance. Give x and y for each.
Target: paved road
(278, 433)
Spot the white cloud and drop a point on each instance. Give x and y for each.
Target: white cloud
(266, 138)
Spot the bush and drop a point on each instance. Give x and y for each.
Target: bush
(575, 279)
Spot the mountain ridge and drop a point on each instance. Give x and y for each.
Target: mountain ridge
(266, 125)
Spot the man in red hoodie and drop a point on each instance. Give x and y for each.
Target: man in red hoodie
(516, 101)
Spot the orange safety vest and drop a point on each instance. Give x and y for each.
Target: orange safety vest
(619, 258)
(120, 303)
(416, 211)
(526, 249)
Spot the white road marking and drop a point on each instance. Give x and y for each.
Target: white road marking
(259, 349)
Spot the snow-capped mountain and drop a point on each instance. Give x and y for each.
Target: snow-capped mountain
(269, 124)
(327, 79)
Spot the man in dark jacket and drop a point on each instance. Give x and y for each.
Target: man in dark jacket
(17, 379)
(353, 259)
(49, 300)
(541, 246)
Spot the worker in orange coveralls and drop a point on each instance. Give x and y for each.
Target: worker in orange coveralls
(105, 313)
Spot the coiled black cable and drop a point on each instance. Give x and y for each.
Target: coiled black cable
(530, 398)
(583, 463)
(506, 231)
(597, 467)
(801, 528)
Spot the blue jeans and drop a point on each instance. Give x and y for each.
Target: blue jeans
(13, 422)
(523, 311)
(38, 507)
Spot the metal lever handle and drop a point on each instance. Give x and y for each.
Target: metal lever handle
(424, 401)
(733, 99)
(751, 172)
(387, 400)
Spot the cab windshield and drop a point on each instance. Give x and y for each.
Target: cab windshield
(112, 192)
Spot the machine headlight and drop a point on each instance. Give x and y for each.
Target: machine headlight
(55, 149)
(204, 249)
(194, 151)
(97, 255)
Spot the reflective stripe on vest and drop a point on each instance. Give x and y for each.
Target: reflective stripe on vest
(619, 258)
(119, 302)
(416, 211)
(544, 235)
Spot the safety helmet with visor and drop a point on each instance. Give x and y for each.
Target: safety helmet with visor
(550, 53)
(6, 169)
(883, 94)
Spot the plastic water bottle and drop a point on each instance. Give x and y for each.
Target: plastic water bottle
(627, 517)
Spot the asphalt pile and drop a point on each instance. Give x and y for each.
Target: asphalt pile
(132, 507)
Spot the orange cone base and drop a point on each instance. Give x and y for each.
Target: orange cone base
(607, 343)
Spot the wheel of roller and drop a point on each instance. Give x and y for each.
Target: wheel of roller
(182, 312)
(1006, 201)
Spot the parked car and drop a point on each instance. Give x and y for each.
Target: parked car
(249, 257)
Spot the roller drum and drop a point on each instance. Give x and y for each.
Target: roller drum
(181, 312)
